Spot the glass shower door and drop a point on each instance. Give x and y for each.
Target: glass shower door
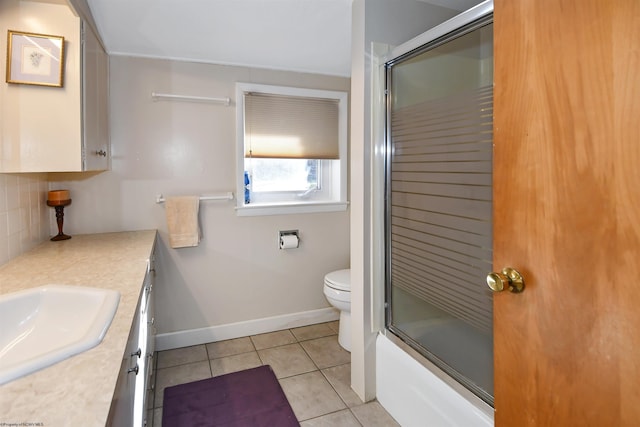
(438, 216)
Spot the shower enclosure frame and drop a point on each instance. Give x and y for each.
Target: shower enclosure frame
(475, 18)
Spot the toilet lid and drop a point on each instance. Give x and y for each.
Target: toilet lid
(340, 280)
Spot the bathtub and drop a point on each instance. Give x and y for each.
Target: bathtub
(418, 394)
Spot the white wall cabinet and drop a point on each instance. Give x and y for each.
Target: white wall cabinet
(134, 390)
(96, 151)
(55, 129)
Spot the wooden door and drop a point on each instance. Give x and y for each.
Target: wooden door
(567, 212)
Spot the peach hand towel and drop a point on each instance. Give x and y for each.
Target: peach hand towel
(182, 221)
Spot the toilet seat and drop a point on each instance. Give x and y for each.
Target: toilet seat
(339, 280)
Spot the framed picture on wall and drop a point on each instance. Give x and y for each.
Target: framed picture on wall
(35, 59)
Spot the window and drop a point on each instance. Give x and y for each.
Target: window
(292, 150)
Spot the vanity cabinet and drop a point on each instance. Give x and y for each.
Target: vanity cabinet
(148, 317)
(56, 129)
(122, 405)
(133, 395)
(92, 388)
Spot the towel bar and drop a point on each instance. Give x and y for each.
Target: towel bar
(189, 98)
(225, 196)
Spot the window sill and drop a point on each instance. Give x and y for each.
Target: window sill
(285, 209)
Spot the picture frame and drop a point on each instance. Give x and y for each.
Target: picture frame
(35, 59)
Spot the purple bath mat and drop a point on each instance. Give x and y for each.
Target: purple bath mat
(250, 398)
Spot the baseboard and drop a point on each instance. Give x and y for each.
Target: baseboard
(243, 329)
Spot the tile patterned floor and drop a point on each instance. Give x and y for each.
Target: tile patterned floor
(313, 370)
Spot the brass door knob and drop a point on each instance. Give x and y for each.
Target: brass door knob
(509, 279)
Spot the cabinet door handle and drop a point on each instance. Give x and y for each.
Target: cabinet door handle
(137, 353)
(101, 153)
(134, 369)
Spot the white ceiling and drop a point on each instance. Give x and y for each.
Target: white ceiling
(298, 35)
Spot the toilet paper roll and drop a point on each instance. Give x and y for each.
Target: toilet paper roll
(289, 241)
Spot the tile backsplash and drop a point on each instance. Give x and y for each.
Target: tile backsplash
(24, 214)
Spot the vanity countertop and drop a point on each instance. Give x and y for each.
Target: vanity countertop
(77, 391)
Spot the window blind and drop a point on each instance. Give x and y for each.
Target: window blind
(290, 127)
(441, 203)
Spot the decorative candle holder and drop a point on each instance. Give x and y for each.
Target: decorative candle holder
(58, 199)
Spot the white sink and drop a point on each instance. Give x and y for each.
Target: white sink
(44, 325)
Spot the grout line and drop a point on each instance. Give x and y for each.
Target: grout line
(206, 350)
(297, 341)
(155, 381)
(310, 358)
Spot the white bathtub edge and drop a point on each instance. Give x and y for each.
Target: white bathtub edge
(413, 395)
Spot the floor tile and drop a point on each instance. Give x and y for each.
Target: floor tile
(319, 398)
(326, 352)
(340, 379)
(235, 363)
(180, 356)
(311, 395)
(229, 347)
(372, 414)
(287, 360)
(179, 375)
(273, 339)
(335, 326)
(157, 417)
(148, 418)
(312, 331)
(342, 418)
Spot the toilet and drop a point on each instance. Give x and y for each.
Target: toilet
(337, 289)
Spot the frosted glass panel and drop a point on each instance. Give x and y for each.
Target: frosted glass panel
(439, 212)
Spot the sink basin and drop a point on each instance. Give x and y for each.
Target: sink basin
(44, 325)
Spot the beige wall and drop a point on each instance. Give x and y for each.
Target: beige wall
(24, 215)
(237, 273)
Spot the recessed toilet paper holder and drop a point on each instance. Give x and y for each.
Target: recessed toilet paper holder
(288, 239)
